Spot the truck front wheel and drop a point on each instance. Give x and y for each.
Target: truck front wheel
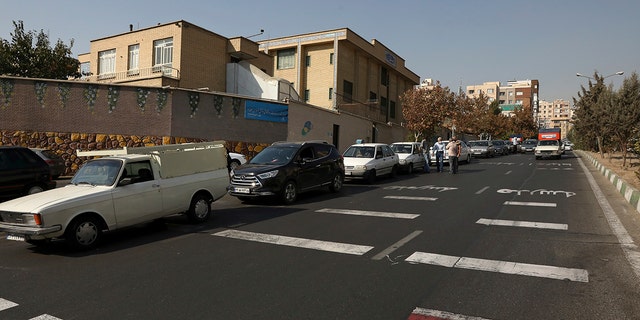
(84, 232)
(200, 209)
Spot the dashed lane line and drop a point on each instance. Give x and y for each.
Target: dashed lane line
(523, 224)
(507, 267)
(379, 214)
(386, 252)
(530, 204)
(295, 242)
(45, 317)
(411, 198)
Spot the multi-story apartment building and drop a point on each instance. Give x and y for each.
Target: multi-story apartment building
(516, 94)
(177, 54)
(339, 70)
(556, 114)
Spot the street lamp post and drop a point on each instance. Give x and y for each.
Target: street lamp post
(619, 73)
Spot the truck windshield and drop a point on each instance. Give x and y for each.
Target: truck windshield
(101, 172)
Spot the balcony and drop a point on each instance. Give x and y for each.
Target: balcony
(134, 75)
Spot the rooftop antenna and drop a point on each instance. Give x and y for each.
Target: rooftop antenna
(257, 34)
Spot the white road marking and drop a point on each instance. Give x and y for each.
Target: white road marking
(397, 245)
(482, 190)
(411, 198)
(371, 213)
(629, 248)
(508, 172)
(45, 317)
(443, 314)
(507, 267)
(6, 304)
(524, 224)
(295, 242)
(530, 204)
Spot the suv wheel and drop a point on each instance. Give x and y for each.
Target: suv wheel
(34, 189)
(289, 193)
(336, 183)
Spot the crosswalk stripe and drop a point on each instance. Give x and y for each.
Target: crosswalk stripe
(295, 242)
(437, 314)
(6, 304)
(523, 224)
(45, 317)
(411, 198)
(530, 204)
(507, 267)
(371, 213)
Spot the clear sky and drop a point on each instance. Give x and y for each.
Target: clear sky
(457, 42)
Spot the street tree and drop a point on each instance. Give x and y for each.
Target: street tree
(426, 109)
(589, 114)
(522, 122)
(30, 54)
(625, 114)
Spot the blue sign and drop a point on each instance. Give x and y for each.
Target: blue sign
(258, 110)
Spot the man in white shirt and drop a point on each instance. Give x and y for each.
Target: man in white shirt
(438, 149)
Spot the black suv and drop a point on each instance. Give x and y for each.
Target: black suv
(22, 172)
(285, 169)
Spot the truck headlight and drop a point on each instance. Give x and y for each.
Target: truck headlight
(268, 175)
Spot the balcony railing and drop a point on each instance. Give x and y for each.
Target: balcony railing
(136, 74)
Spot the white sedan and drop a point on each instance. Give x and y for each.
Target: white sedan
(369, 160)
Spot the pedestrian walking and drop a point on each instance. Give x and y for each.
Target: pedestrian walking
(453, 150)
(438, 149)
(425, 153)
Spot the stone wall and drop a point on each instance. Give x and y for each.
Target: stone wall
(66, 144)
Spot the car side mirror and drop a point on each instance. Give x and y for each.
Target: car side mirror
(125, 181)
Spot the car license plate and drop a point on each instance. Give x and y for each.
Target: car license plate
(347, 173)
(242, 190)
(16, 237)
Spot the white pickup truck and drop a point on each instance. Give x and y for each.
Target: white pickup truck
(119, 189)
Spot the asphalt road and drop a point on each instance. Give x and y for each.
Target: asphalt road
(506, 238)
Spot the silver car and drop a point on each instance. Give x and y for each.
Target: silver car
(482, 148)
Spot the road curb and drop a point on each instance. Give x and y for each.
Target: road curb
(631, 194)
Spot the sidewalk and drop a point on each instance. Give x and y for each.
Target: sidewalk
(630, 194)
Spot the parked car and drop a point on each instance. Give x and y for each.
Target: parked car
(529, 145)
(367, 161)
(22, 172)
(285, 169)
(500, 148)
(237, 159)
(465, 153)
(55, 162)
(409, 155)
(482, 148)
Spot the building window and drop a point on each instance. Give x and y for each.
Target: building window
(286, 59)
(134, 58)
(331, 58)
(347, 91)
(306, 95)
(373, 97)
(501, 93)
(383, 105)
(392, 109)
(308, 61)
(106, 63)
(163, 54)
(519, 93)
(471, 91)
(490, 91)
(330, 93)
(85, 69)
(384, 77)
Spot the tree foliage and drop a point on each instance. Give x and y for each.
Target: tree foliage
(30, 54)
(606, 118)
(424, 109)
